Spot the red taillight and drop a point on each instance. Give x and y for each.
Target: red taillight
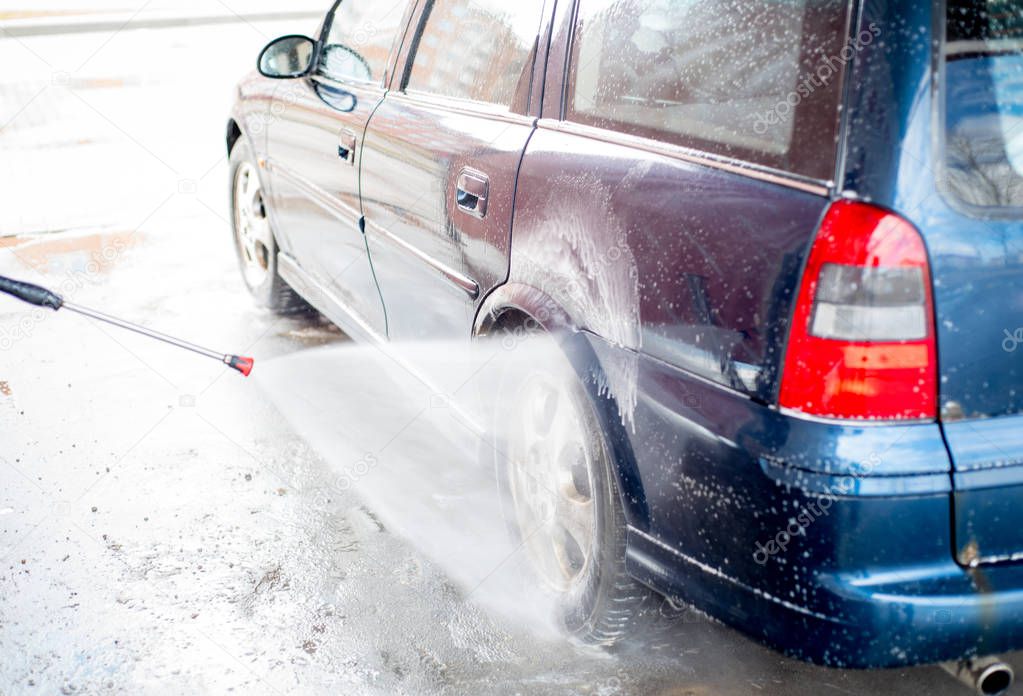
(862, 339)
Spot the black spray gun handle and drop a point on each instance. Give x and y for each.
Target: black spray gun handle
(33, 294)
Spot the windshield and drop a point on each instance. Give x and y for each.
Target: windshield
(983, 95)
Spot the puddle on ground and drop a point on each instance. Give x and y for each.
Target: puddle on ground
(314, 335)
(90, 253)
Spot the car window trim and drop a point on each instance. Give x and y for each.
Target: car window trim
(750, 170)
(538, 80)
(469, 107)
(856, 10)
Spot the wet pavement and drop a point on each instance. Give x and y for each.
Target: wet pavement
(163, 529)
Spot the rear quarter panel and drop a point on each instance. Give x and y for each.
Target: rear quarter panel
(685, 263)
(684, 275)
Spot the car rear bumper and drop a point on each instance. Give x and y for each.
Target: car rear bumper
(899, 617)
(832, 542)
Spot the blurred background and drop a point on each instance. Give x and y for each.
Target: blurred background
(109, 111)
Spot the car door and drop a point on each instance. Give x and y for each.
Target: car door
(314, 143)
(440, 160)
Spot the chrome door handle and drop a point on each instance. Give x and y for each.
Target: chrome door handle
(346, 145)
(472, 192)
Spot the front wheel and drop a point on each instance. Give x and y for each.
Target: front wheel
(561, 495)
(254, 237)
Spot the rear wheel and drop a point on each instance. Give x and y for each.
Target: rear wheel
(254, 237)
(562, 500)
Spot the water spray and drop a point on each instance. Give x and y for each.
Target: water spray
(41, 297)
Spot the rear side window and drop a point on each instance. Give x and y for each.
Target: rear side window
(359, 42)
(758, 80)
(983, 103)
(481, 50)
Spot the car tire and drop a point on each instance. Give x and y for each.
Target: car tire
(595, 598)
(254, 240)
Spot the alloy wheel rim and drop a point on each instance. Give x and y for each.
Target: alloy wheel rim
(551, 482)
(252, 228)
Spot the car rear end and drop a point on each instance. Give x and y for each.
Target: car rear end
(811, 382)
(910, 313)
(893, 531)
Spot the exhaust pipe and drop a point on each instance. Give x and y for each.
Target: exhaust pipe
(987, 676)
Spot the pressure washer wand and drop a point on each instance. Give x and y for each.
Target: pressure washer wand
(41, 297)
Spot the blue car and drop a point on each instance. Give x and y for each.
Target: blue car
(781, 244)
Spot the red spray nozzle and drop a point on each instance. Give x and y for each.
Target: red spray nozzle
(243, 365)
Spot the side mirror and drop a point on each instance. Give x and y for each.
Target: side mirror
(288, 56)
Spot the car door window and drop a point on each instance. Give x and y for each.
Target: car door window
(737, 77)
(479, 50)
(360, 38)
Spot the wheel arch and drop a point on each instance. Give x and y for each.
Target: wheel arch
(233, 133)
(519, 307)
